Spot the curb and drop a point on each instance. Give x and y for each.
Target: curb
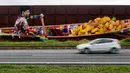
(45, 47)
(35, 47)
(67, 63)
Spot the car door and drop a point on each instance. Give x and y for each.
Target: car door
(102, 45)
(106, 45)
(97, 45)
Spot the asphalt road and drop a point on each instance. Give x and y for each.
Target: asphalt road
(61, 56)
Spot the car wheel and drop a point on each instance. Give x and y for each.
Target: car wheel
(114, 50)
(81, 52)
(86, 50)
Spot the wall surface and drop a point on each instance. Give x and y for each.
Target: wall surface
(64, 2)
(63, 14)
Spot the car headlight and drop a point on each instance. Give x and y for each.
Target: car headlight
(78, 47)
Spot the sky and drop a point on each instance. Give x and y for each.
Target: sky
(64, 2)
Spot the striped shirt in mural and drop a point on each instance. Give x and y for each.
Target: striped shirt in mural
(20, 24)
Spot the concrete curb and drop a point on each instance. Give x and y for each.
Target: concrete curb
(67, 63)
(45, 47)
(35, 47)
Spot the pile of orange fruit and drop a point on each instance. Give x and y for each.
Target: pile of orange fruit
(99, 26)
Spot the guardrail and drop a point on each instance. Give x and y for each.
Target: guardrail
(35, 47)
(125, 46)
(46, 47)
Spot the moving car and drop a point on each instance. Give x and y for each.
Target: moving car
(100, 45)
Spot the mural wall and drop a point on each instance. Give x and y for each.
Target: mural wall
(63, 14)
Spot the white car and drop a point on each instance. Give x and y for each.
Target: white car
(100, 45)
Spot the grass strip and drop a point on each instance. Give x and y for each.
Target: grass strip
(44, 43)
(63, 69)
(52, 43)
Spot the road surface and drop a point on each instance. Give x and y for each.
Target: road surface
(62, 56)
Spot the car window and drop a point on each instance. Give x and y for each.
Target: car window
(97, 42)
(108, 41)
(102, 41)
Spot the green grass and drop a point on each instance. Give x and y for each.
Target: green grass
(125, 41)
(52, 43)
(44, 43)
(63, 69)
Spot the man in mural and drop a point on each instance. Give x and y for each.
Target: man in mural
(21, 25)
